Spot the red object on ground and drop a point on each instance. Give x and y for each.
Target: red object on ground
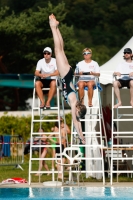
(14, 180)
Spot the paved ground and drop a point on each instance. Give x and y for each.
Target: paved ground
(88, 184)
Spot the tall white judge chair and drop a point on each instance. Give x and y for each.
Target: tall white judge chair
(123, 136)
(93, 155)
(39, 118)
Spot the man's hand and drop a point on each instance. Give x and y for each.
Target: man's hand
(92, 73)
(131, 74)
(117, 74)
(45, 75)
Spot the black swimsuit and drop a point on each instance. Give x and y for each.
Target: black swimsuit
(66, 84)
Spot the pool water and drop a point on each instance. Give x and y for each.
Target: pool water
(94, 193)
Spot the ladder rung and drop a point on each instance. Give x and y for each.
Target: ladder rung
(45, 120)
(124, 136)
(120, 107)
(89, 120)
(47, 133)
(126, 132)
(92, 107)
(122, 171)
(43, 172)
(122, 120)
(123, 145)
(88, 145)
(126, 115)
(87, 132)
(51, 108)
(45, 145)
(100, 158)
(122, 158)
(43, 159)
(92, 171)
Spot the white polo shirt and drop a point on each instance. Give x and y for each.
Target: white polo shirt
(125, 68)
(88, 67)
(47, 68)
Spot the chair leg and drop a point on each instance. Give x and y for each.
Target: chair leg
(62, 175)
(78, 176)
(81, 176)
(57, 179)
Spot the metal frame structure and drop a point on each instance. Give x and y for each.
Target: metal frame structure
(56, 113)
(15, 148)
(120, 117)
(93, 134)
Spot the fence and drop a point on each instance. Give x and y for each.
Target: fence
(11, 150)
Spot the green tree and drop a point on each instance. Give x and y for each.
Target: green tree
(23, 37)
(10, 125)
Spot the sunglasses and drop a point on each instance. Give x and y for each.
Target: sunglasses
(46, 53)
(127, 52)
(86, 53)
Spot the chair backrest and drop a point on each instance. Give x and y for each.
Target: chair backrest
(73, 154)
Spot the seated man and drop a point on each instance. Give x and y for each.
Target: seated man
(125, 72)
(87, 67)
(46, 72)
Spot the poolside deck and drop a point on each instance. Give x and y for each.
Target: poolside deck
(88, 184)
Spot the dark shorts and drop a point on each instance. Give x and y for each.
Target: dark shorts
(57, 149)
(124, 83)
(45, 82)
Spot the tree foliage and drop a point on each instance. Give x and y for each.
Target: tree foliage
(10, 125)
(27, 34)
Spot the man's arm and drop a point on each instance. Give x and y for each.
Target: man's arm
(131, 74)
(117, 74)
(45, 75)
(37, 73)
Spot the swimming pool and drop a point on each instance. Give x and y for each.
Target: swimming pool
(90, 193)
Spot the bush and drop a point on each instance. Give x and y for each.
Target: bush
(10, 125)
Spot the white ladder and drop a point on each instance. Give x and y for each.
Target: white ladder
(93, 117)
(39, 117)
(119, 116)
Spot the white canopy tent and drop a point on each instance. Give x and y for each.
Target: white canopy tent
(107, 69)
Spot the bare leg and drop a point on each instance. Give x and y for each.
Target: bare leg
(41, 161)
(90, 85)
(62, 63)
(117, 85)
(59, 168)
(62, 44)
(38, 86)
(131, 93)
(81, 85)
(52, 92)
(45, 166)
(60, 38)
